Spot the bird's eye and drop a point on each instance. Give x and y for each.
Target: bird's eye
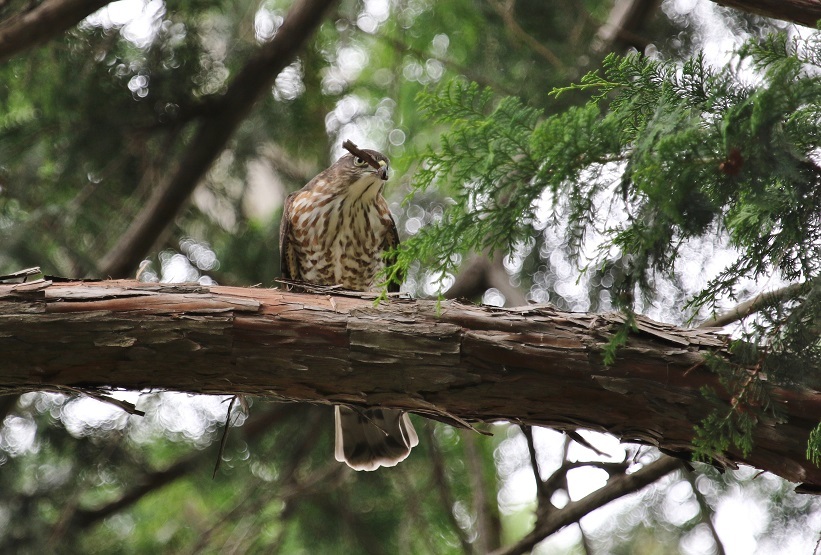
(357, 161)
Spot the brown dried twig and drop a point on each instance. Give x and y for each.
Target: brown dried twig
(224, 437)
(356, 151)
(381, 169)
(130, 408)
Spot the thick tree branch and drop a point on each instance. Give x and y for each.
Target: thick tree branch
(533, 365)
(804, 12)
(42, 22)
(212, 136)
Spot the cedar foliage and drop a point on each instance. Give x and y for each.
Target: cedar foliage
(661, 154)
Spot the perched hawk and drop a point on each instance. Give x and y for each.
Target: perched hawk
(333, 232)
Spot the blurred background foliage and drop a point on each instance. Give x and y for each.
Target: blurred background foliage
(92, 120)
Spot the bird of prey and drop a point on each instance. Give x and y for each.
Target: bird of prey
(334, 232)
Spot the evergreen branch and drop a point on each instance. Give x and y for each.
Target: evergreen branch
(691, 150)
(814, 446)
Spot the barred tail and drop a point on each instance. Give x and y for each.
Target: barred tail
(369, 438)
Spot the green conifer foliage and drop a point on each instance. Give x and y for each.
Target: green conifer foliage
(680, 152)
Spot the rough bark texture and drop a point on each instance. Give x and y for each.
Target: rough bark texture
(805, 12)
(534, 365)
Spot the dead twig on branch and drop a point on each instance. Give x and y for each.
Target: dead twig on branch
(356, 151)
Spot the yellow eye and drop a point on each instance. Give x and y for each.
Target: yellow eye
(357, 161)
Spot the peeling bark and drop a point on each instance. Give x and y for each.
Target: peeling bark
(532, 365)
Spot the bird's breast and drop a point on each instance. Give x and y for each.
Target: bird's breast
(340, 239)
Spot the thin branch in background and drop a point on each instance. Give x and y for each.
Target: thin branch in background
(286, 489)
(155, 164)
(403, 47)
(316, 485)
(585, 20)
(505, 11)
(542, 493)
(153, 481)
(557, 479)
(312, 431)
(706, 511)
(258, 494)
(485, 507)
(479, 274)
(299, 171)
(575, 510)
(212, 136)
(357, 530)
(623, 23)
(43, 21)
(575, 436)
(224, 437)
(147, 483)
(418, 525)
(759, 302)
(443, 488)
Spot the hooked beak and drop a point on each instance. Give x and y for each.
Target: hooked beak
(382, 172)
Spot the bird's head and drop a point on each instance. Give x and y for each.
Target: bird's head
(353, 175)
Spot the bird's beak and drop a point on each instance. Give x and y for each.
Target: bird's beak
(382, 172)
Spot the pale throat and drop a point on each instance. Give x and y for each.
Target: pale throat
(365, 189)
